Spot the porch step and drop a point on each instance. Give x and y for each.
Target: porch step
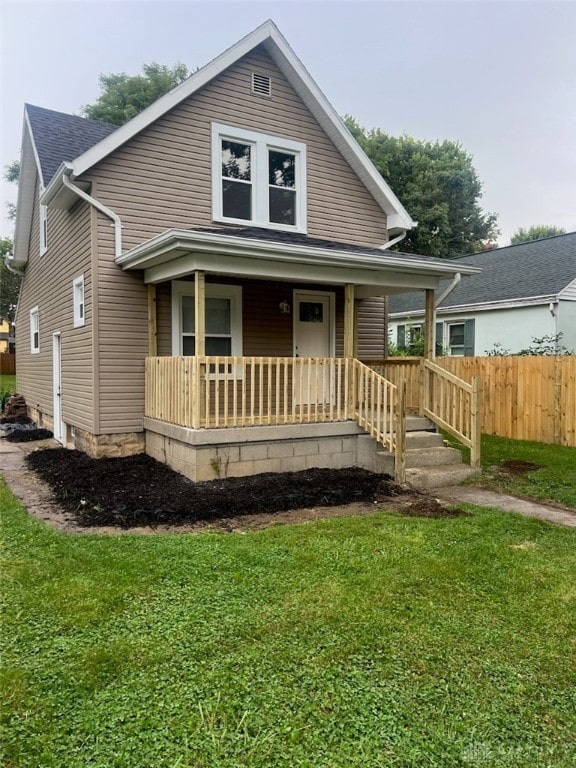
(419, 424)
(424, 478)
(432, 457)
(420, 439)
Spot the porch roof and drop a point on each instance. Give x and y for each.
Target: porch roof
(261, 253)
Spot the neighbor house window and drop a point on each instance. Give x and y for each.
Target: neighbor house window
(78, 299)
(456, 338)
(258, 179)
(34, 331)
(223, 319)
(43, 229)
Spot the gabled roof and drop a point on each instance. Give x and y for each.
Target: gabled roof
(540, 269)
(272, 40)
(59, 137)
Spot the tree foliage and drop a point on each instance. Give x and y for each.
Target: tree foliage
(12, 174)
(123, 96)
(536, 232)
(438, 185)
(9, 281)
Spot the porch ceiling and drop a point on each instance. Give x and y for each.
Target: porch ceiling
(177, 253)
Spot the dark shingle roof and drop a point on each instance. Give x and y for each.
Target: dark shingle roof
(295, 238)
(539, 268)
(59, 137)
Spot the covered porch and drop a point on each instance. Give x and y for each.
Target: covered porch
(219, 281)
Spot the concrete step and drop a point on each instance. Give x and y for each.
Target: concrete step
(421, 439)
(419, 424)
(430, 457)
(424, 478)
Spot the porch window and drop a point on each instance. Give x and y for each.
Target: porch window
(258, 179)
(223, 319)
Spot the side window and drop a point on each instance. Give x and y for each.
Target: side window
(461, 338)
(34, 331)
(78, 300)
(43, 229)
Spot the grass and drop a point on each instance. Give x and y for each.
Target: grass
(372, 641)
(555, 481)
(7, 386)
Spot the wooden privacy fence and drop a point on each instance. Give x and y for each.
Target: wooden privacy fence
(524, 398)
(7, 362)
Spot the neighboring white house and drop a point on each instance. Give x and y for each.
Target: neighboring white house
(524, 292)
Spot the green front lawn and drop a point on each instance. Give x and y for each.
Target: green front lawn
(371, 641)
(7, 386)
(555, 480)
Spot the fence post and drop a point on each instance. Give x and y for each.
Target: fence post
(400, 455)
(422, 401)
(476, 421)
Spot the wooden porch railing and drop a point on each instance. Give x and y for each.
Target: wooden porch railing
(453, 404)
(216, 392)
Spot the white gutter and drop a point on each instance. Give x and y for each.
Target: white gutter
(103, 209)
(11, 267)
(390, 243)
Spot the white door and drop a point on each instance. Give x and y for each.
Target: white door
(58, 428)
(313, 338)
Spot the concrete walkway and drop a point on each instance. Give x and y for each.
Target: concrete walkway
(34, 494)
(483, 498)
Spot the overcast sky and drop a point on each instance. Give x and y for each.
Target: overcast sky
(499, 77)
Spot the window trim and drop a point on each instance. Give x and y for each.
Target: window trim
(43, 225)
(261, 143)
(79, 317)
(449, 346)
(214, 291)
(34, 330)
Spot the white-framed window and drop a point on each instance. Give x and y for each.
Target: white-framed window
(258, 179)
(43, 229)
(78, 301)
(34, 330)
(456, 339)
(223, 319)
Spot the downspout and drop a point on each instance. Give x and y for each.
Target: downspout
(554, 306)
(13, 268)
(446, 292)
(390, 243)
(103, 209)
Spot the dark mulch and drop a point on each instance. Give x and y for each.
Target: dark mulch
(517, 467)
(138, 490)
(27, 436)
(431, 508)
(15, 420)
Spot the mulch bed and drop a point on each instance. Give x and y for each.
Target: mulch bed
(427, 507)
(28, 435)
(138, 490)
(517, 467)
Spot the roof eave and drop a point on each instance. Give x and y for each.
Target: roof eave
(141, 255)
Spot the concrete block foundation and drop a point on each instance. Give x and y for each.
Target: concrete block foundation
(238, 452)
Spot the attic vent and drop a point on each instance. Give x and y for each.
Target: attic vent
(261, 84)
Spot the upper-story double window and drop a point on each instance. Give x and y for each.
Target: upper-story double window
(258, 179)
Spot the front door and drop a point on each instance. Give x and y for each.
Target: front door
(313, 338)
(58, 428)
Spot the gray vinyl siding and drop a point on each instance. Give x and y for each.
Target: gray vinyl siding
(371, 328)
(161, 178)
(47, 284)
(122, 339)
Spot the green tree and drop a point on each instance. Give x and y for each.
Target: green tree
(439, 187)
(9, 281)
(536, 232)
(12, 174)
(123, 96)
